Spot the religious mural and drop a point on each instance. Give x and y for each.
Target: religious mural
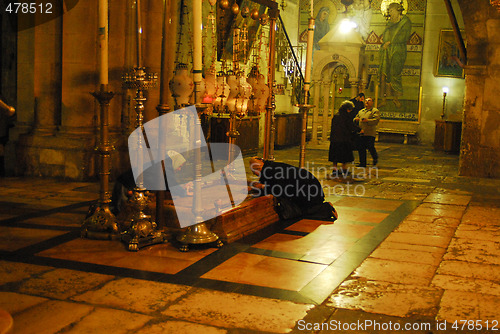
(392, 31)
(448, 63)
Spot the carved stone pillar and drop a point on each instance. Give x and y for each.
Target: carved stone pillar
(47, 71)
(326, 103)
(315, 120)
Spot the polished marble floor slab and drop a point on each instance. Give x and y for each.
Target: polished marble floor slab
(289, 261)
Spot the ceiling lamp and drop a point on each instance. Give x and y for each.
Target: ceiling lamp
(496, 4)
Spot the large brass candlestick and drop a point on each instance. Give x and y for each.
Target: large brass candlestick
(102, 223)
(305, 106)
(198, 233)
(139, 229)
(268, 151)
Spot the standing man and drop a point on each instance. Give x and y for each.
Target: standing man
(367, 119)
(359, 103)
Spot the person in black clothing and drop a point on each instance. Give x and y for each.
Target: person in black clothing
(299, 193)
(359, 103)
(341, 137)
(6, 114)
(152, 176)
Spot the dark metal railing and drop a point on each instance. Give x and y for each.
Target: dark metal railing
(287, 58)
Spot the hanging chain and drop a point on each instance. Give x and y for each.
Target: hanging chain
(180, 34)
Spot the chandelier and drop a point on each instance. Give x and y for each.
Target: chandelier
(496, 4)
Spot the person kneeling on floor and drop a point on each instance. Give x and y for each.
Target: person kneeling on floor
(298, 192)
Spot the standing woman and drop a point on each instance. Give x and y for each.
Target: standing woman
(341, 138)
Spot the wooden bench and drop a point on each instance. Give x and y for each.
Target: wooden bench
(403, 132)
(397, 127)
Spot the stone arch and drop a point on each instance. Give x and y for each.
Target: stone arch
(333, 58)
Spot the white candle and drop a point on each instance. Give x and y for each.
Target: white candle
(312, 11)
(310, 39)
(103, 41)
(197, 43)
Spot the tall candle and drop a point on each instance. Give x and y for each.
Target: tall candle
(197, 43)
(103, 41)
(138, 27)
(310, 39)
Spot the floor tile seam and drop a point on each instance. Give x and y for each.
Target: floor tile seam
(474, 279)
(426, 281)
(43, 213)
(356, 222)
(41, 226)
(360, 209)
(441, 249)
(275, 254)
(401, 261)
(255, 290)
(472, 238)
(474, 241)
(388, 285)
(381, 246)
(454, 258)
(48, 243)
(443, 256)
(87, 267)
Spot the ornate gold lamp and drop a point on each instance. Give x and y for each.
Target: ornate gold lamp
(304, 108)
(139, 229)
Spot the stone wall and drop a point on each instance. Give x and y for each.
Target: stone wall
(480, 151)
(57, 68)
(432, 97)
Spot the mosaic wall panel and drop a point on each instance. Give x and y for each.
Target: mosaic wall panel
(393, 31)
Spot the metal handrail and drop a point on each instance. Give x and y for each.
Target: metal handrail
(295, 74)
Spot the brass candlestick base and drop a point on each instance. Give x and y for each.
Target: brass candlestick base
(102, 223)
(198, 234)
(140, 230)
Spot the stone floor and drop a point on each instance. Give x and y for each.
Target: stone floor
(415, 250)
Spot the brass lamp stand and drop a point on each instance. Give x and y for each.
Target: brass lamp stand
(102, 223)
(304, 108)
(139, 229)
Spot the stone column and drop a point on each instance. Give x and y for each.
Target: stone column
(317, 88)
(47, 70)
(354, 87)
(79, 75)
(326, 100)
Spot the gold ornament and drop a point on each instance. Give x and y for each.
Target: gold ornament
(264, 19)
(235, 8)
(224, 4)
(245, 12)
(254, 14)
